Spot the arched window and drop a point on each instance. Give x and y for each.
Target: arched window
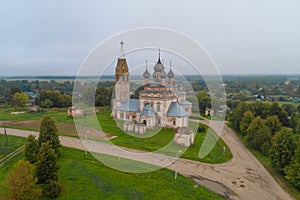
(158, 106)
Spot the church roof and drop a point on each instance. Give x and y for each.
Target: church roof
(163, 74)
(146, 73)
(158, 67)
(131, 105)
(171, 74)
(175, 110)
(148, 111)
(185, 102)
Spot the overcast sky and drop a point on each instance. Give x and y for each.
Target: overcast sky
(52, 37)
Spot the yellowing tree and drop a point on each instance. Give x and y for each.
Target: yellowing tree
(21, 182)
(20, 100)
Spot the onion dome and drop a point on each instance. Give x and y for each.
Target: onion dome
(153, 74)
(171, 74)
(146, 73)
(159, 66)
(163, 74)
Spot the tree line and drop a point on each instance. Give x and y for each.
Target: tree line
(274, 131)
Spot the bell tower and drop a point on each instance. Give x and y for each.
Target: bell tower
(122, 77)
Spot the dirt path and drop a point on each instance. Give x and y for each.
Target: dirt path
(11, 155)
(243, 177)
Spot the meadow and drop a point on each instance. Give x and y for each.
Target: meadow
(31, 121)
(83, 177)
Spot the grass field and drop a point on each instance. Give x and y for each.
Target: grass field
(83, 177)
(13, 144)
(287, 186)
(163, 137)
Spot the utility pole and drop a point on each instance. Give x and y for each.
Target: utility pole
(86, 133)
(5, 145)
(176, 163)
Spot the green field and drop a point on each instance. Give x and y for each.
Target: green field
(135, 141)
(13, 144)
(83, 177)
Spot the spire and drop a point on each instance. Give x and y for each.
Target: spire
(122, 52)
(171, 73)
(146, 73)
(159, 62)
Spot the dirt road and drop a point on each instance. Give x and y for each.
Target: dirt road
(243, 177)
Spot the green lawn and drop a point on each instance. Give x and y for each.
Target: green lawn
(153, 141)
(83, 177)
(161, 139)
(59, 114)
(287, 186)
(13, 144)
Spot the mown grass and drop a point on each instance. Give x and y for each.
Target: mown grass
(59, 114)
(153, 142)
(13, 144)
(266, 162)
(162, 138)
(83, 177)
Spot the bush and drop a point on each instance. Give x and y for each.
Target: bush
(52, 190)
(201, 128)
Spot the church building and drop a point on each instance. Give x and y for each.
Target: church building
(161, 103)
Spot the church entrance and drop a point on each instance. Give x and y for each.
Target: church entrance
(145, 122)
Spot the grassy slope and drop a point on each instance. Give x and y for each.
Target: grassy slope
(161, 139)
(13, 144)
(287, 186)
(83, 177)
(108, 125)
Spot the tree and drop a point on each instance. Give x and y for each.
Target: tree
(282, 149)
(294, 121)
(9, 93)
(274, 124)
(275, 109)
(297, 130)
(47, 103)
(261, 109)
(103, 96)
(203, 100)
(20, 100)
(289, 108)
(258, 135)
(88, 95)
(292, 171)
(31, 149)
(246, 121)
(283, 117)
(21, 182)
(238, 114)
(48, 133)
(49, 99)
(47, 169)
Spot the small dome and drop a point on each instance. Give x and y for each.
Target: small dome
(146, 73)
(171, 74)
(159, 67)
(153, 74)
(163, 74)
